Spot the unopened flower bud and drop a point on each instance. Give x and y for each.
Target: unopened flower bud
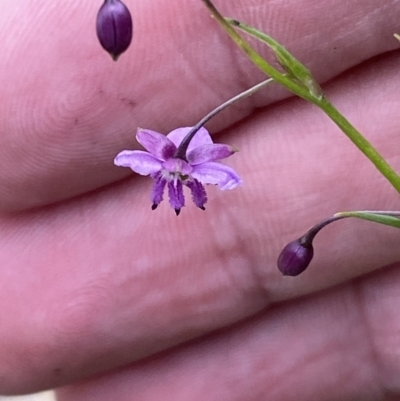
(295, 257)
(114, 27)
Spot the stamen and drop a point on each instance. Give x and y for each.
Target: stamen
(158, 190)
(176, 198)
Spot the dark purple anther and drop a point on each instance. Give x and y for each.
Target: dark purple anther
(295, 257)
(114, 27)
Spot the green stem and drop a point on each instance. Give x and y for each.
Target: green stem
(386, 218)
(257, 59)
(355, 136)
(361, 142)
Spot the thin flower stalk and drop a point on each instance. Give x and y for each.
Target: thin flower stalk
(185, 157)
(300, 88)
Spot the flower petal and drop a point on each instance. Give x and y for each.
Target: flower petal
(209, 153)
(155, 143)
(216, 173)
(140, 162)
(202, 137)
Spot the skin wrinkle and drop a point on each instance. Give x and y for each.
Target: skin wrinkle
(381, 294)
(368, 304)
(228, 240)
(175, 368)
(361, 307)
(230, 258)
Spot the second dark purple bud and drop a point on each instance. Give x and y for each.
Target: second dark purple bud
(114, 27)
(295, 257)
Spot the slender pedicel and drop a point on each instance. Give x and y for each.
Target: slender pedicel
(181, 151)
(297, 255)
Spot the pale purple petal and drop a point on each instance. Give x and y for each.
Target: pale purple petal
(201, 138)
(155, 143)
(209, 153)
(176, 198)
(199, 194)
(158, 190)
(216, 173)
(140, 162)
(177, 166)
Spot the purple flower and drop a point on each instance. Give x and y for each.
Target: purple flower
(199, 166)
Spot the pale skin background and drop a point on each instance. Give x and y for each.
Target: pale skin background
(113, 301)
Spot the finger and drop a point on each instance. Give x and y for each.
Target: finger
(68, 109)
(339, 345)
(122, 283)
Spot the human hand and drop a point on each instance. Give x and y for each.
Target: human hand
(92, 280)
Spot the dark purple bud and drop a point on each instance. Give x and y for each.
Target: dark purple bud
(114, 27)
(295, 257)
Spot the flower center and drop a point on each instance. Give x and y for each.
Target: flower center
(177, 168)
